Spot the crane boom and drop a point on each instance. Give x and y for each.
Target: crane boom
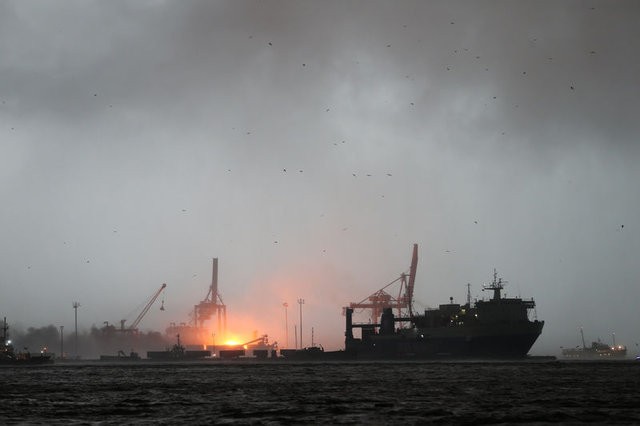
(380, 300)
(412, 278)
(144, 311)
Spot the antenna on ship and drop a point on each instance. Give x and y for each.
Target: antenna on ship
(469, 294)
(496, 285)
(584, 345)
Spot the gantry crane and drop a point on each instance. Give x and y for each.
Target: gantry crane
(380, 300)
(212, 304)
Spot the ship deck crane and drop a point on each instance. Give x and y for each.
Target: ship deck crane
(133, 328)
(380, 300)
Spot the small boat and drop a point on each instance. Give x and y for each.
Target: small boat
(8, 355)
(597, 350)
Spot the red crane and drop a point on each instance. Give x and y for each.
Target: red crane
(380, 300)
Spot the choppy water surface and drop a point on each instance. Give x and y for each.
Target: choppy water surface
(330, 393)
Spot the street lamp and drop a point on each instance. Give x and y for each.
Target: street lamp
(301, 302)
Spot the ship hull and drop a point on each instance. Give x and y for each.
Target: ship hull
(586, 354)
(507, 341)
(32, 360)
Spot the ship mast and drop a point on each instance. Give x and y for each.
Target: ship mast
(497, 285)
(5, 328)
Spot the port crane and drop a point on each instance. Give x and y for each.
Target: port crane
(212, 304)
(262, 340)
(133, 328)
(381, 299)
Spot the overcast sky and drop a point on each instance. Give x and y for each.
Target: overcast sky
(308, 145)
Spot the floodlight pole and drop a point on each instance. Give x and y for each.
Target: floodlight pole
(61, 342)
(76, 305)
(301, 302)
(286, 324)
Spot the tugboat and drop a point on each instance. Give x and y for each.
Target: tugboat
(313, 353)
(497, 328)
(8, 356)
(121, 356)
(177, 353)
(597, 350)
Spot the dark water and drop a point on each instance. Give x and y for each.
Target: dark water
(326, 393)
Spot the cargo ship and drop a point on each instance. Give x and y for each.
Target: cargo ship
(597, 350)
(8, 356)
(500, 327)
